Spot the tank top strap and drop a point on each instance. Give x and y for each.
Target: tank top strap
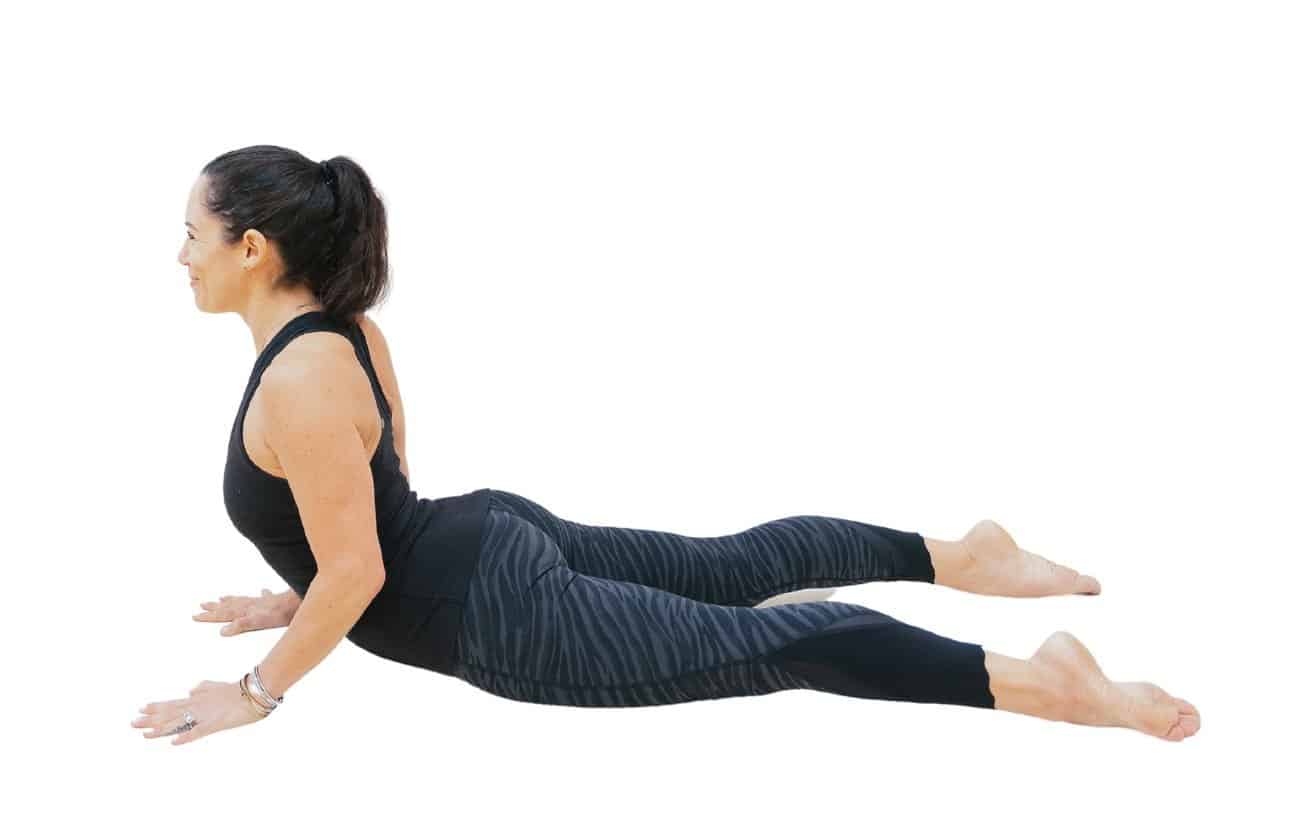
(362, 348)
(318, 321)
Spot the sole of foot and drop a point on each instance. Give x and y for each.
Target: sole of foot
(996, 566)
(1090, 698)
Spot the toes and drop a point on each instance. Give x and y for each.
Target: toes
(1149, 709)
(1087, 585)
(1184, 726)
(1072, 581)
(1162, 720)
(1189, 716)
(1183, 718)
(1062, 579)
(1178, 718)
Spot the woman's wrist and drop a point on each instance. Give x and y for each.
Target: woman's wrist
(290, 600)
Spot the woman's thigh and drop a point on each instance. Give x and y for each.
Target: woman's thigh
(536, 630)
(742, 569)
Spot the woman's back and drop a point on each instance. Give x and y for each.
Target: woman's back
(429, 546)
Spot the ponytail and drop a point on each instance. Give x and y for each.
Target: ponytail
(326, 218)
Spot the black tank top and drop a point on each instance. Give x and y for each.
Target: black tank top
(430, 546)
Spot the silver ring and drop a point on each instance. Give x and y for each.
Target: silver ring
(189, 724)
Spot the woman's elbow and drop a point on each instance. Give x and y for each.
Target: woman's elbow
(366, 579)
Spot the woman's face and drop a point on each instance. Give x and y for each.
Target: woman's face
(219, 272)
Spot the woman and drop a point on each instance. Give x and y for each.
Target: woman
(491, 587)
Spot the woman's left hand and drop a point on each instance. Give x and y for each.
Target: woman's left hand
(214, 705)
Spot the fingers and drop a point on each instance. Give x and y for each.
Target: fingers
(246, 623)
(199, 730)
(227, 608)
(162, 706)
(244, 613)
(221, 610)
(162, 718)
(214, 615)
(158, 717)
(163, 725)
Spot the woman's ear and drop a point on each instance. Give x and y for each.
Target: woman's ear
(256, 248)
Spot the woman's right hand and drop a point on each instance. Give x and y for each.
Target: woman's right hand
(247, 613)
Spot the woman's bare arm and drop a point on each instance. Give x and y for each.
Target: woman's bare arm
(315, 438)
(290, 600)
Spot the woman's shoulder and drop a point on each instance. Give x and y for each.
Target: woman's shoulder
(375, 341)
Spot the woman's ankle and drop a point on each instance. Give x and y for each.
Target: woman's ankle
(950, 560)
(1024, 687)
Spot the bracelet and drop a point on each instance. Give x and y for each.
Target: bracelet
(257, 685)
(260, 700)
(257, 707)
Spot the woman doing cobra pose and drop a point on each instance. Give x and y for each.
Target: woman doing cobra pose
(492, 588)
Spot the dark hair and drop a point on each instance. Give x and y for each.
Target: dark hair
(332, 233)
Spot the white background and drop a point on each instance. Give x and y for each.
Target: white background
(686, 266)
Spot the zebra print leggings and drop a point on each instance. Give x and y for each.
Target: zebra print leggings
(578, 615)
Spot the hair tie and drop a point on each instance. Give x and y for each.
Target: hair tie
(328, 172)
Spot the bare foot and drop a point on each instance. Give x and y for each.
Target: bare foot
(993, 565)
(1092, 699)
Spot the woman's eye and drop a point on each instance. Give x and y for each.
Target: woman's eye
(187, 234)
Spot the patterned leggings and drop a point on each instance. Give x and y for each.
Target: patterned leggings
(579, 615)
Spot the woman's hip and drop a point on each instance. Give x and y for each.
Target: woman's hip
(535, 629)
